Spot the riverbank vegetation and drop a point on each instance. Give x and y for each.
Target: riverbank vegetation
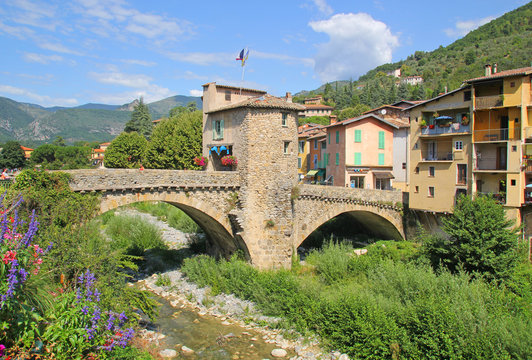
(77, 304)
(397, 301)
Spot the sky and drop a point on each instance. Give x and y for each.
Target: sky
(69, 53)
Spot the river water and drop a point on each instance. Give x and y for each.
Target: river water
(207, 336)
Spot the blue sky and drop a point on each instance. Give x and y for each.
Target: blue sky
(69, 53)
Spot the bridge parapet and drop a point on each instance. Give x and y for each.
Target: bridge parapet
(122, 179)
(381, 198)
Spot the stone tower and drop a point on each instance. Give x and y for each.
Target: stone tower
(261, 132)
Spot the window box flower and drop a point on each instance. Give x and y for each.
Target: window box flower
(201, 161)
(229, 160)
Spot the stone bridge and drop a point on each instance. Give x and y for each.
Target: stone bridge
(216, 201)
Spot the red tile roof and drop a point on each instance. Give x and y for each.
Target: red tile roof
(502, 74)
(235, 88)
(25, 148)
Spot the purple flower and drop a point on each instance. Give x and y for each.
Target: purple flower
(2, 348)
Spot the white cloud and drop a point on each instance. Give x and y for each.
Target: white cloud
(284, 58)
(139, 62)
(189, 75)
(19, 32)
(196, 93)
(357, 43)
(42, 59)
(43, 100)
(154, 93)
(323, 7)
(57, 47)
(461, 28)
(115, 18)
(204, 59)
(136, 81)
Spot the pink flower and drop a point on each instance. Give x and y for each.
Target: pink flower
(9, 256)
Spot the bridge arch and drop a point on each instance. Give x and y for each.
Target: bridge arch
(199, 205)
(381, 225)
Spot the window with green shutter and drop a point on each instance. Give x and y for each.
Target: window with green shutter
(337, 136)
(358, 136)
(337, 159)
(217, 129)
(299, 162)
(381, 139)
(358, 158)
(327, 156)
(381, 159)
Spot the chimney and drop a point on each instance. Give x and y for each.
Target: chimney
(333, 119)
(487, 68)
(289, 97)
(494, 68)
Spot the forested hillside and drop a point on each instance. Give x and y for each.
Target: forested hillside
(506, 41)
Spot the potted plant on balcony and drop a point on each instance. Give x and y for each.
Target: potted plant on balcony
(465, 119)
(229, 161)
(423, 123)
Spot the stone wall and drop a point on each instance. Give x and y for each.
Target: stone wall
(107, 179)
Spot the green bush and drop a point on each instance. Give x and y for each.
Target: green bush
(175, 217)
(384, 307)
(332, 261)
(134, 235)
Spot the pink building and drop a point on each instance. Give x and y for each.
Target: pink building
(360, 152)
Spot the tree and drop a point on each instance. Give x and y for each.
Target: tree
(43, 154)
(175, 142)
(12, 156)
(126, 151)
(480, 239)
(140, 120)
(59, 141)
(353, 112)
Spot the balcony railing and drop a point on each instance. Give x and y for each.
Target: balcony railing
(500, 198)
(440, 130)
(438, 156)
(497, 134)
(487, 102)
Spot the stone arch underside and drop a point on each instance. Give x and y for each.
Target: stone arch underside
(383, 223)
(207, 213)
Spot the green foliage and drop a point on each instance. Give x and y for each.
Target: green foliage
(126, 151)
(480, 240)
(140, 120)
(163, 280)
(12, 156)
(61, 157)
(322, 120)
(176, 142)
(133, 235)
(352, 112)
(383, 308)
(332, 262)
(173, 216)
(178, 110)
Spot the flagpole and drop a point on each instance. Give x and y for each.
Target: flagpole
(242, 79)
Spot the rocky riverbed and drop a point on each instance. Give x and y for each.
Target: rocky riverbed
(244, 323)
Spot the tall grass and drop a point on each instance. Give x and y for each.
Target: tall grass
(169, 213)
(381, 305)
(133, 234)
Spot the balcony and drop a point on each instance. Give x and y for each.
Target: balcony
(437, 156)
(488, 102)
(500, 198)
(454, 128)
(494, 135)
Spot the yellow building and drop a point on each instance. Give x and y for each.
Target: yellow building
(304, 161)
(502, 140)
(440, 151)
(474, 140)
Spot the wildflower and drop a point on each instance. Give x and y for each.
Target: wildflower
(9, 256)
(2, 348)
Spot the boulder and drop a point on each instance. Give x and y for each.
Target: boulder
(279, 353)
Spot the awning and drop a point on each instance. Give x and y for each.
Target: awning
(321, 172)
(383, 174)
(312, 172)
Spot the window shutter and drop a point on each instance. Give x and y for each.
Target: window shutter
(381, 159)
(214, 129)
(358, 158)
(381, 139)
(221, 129)
(337, 137)
(358, 136)
(337, 158)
